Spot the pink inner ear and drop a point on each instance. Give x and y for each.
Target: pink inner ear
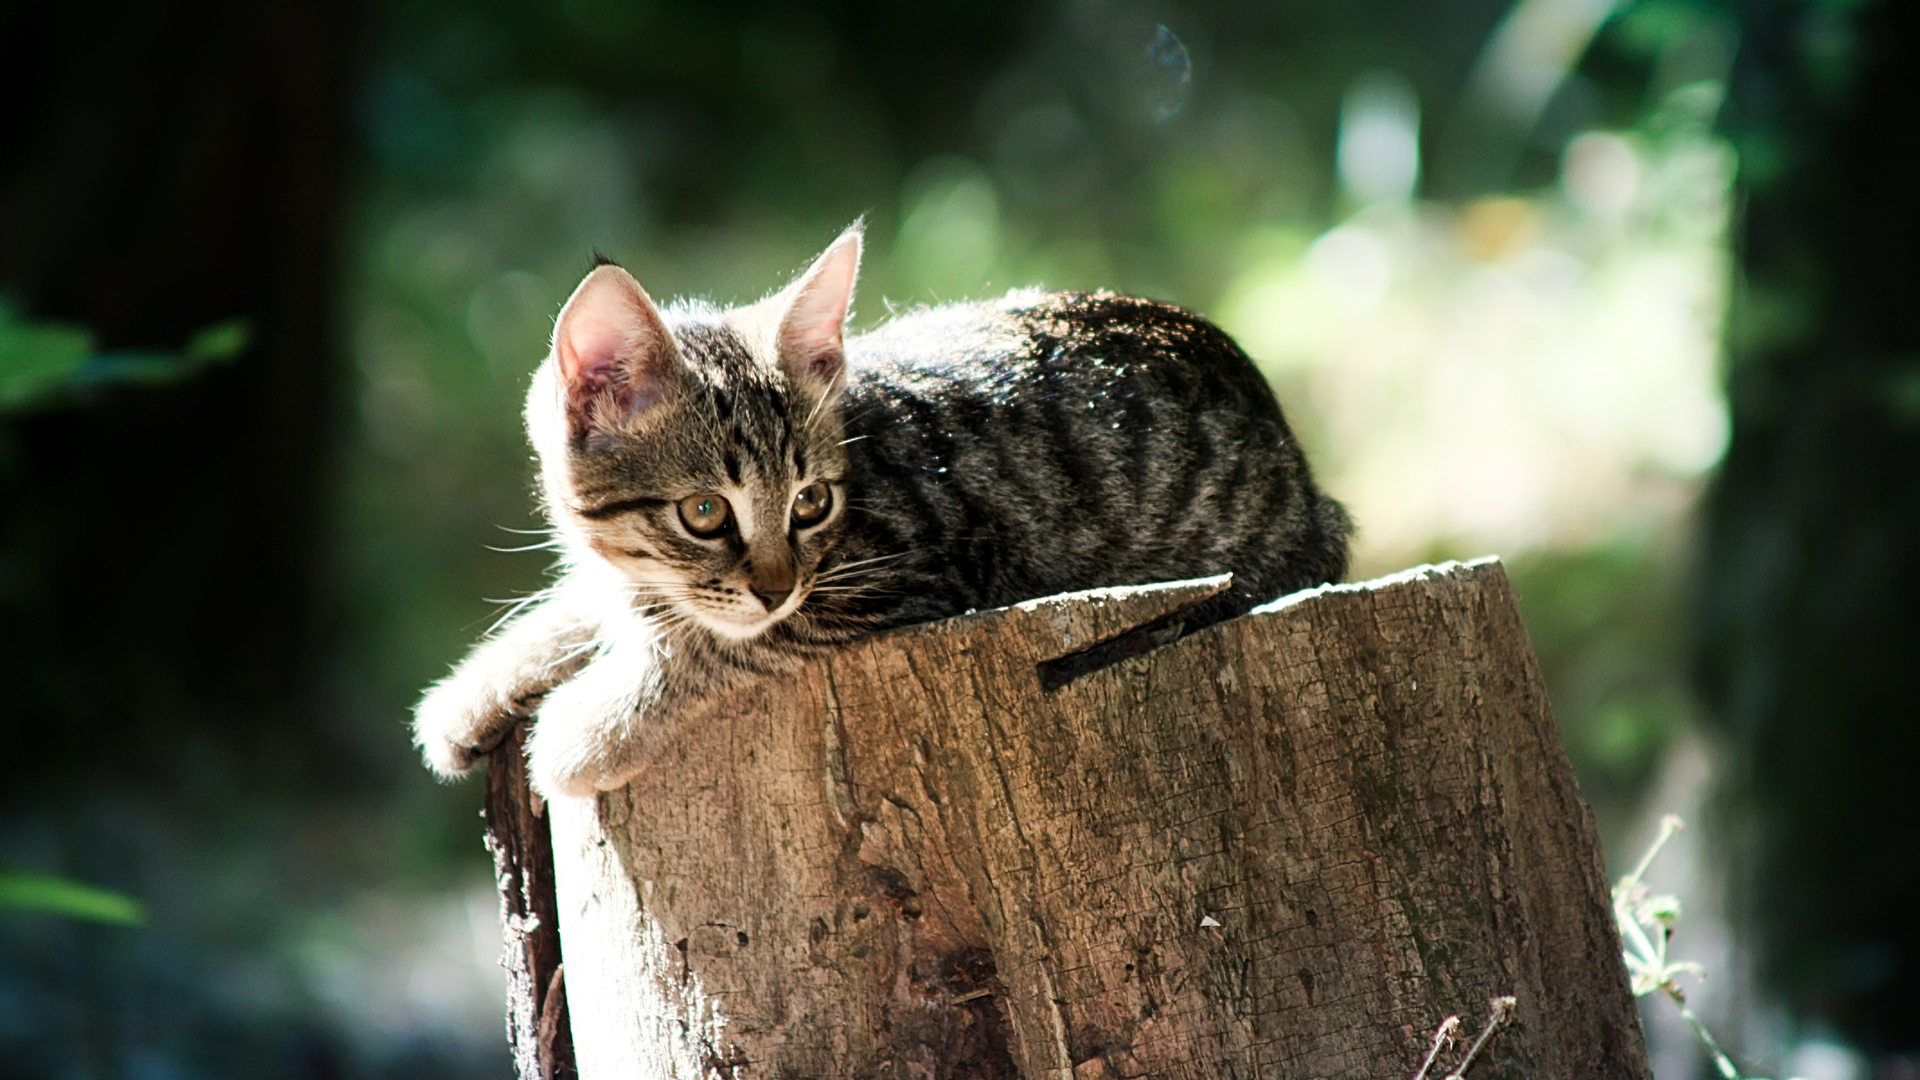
(811, 329)
(611, 347)
(817, 354)
(590, 351)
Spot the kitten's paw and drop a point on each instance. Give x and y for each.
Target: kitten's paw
(582, 741)
(459, 722)
(568, 780)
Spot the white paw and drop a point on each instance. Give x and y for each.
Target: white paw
(581, 737)
(458, 722)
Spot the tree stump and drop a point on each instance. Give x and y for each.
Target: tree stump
(1069, 840)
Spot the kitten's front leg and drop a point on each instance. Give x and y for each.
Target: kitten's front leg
(598, 730)
(465, 715)
(607, 723)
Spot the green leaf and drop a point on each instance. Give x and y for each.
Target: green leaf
(37, 359)
(27, 891)
(223, 340)
(43, 363)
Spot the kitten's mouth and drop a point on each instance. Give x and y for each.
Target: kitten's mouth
(740, 623)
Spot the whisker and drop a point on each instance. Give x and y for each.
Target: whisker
(515, 606)
(853, 563)
(544, 545)
(853, 573)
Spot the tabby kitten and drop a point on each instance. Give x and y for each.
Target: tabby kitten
(734, 490)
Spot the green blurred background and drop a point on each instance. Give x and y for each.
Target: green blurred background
(1617, 290)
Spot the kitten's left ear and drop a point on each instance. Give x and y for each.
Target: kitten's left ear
(612, 351)
(814, 313)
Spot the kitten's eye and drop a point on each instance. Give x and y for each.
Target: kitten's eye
(705, 516)
(812, 504)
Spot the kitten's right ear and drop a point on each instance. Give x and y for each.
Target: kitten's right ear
(813, 315)
(614, 352)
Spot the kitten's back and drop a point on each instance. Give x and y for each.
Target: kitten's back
(1051, 442)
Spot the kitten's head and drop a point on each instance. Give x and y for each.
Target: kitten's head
(697, 452)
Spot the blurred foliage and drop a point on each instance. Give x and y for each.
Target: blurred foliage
(37, 360)
(43, 363)
(1610, 626)
(1810, 588)
(27, 891)
(47, 363)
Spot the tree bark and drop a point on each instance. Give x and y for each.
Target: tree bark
(1290, 844)
(522, 848)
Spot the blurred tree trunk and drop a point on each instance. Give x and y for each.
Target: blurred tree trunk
(1812, 586)
(165, 166)
(1033, 843)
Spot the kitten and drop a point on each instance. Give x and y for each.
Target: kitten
(734, 490)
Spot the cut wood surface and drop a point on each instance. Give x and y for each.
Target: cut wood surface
(1287, 845)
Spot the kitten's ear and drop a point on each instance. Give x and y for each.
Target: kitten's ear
(615, 354)
(814, 313)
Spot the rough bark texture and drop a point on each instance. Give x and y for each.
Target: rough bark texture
(1285, 845)
(518, 837)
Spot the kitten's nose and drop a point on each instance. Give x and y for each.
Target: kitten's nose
(771, 578)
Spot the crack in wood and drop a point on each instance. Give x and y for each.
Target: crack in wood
(1142, 639)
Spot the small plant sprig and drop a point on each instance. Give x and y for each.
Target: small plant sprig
(1646, 920)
